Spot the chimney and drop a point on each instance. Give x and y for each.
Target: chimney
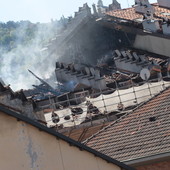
(151, 25)
(100, 3)
(115, 5)
(143, 6)
(87, 9)
(94, 10)
(164, 3)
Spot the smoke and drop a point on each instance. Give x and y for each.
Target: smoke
(14, 64)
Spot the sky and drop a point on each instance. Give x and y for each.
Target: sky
(45, 10)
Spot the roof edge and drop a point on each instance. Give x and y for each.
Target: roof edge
(149, 159)
(64, 138)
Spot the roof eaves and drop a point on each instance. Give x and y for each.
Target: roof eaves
(62, 137)
(148, 159)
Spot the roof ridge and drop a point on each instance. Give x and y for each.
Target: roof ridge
(124, 116)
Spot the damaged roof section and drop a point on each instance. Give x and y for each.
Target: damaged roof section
(133, 61)
(92, 93)
(16, 101)
(142, 133)
(85, 92)
(143, 18)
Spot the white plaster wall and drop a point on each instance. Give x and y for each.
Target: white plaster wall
(153, 44)
(24, 147)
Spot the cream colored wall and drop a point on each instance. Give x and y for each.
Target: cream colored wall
(24, 147)
(153, 44)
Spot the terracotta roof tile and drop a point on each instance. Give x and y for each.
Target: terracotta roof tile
(130, 14)
(81, 134)
(145, 132)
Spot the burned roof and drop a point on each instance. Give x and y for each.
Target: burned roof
(143, 133)
(18, 94)
(131, 14)
(4, 88)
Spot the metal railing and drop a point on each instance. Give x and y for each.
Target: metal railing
(107, 103)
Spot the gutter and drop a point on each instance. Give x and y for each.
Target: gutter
(70, 141)
(148, 160)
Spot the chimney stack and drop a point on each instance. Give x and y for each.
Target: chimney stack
(143, 6)
(164, 3)
(94, 10)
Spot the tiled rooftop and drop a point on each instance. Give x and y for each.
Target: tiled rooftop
(145, 132)
(81, 134)
(130, 14)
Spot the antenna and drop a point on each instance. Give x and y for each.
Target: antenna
(145, 74)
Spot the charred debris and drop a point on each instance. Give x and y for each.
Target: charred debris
(100, 73)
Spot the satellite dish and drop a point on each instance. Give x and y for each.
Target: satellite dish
(145, 74)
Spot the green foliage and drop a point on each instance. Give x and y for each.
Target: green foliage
(13, 33)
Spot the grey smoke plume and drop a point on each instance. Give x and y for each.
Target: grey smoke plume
(14, 64)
